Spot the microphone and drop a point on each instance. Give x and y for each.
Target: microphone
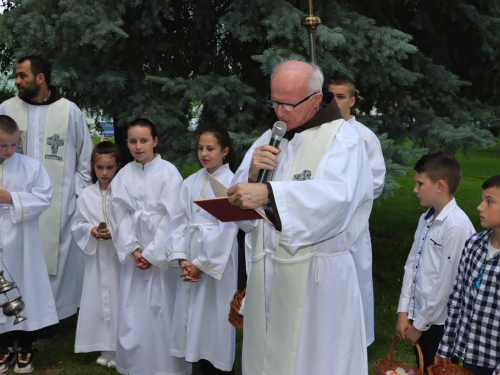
(279, 130)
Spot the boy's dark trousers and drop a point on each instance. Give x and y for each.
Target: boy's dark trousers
(23, 338)
(476, 370)
(429, 342)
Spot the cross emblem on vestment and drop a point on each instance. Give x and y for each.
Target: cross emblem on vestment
(54, 142)
(21, 143)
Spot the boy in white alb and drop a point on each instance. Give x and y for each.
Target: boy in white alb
(343, 90)
(434, 256)
(25, 192)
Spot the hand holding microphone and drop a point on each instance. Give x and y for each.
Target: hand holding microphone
(264, 157)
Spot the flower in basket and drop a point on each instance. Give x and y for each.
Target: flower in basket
(400, 371)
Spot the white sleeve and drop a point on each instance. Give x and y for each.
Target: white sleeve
(217, 250)
(83, 146)
(453, 244)
(175, 242)
(154, 252)
(29, 205)
(377, 163)
(82, 227)
(316, 210)
(405, 296)
(241, 175)
(120, 217)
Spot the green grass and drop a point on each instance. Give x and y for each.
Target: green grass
(392, 226)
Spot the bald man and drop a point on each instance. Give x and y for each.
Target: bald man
(303, 310)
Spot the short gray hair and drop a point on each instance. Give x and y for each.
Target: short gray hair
(315, 80)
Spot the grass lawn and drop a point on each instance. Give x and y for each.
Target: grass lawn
(392, 225)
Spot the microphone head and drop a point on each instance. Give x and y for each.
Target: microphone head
(279, 129)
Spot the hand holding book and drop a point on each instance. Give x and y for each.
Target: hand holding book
(224, 211)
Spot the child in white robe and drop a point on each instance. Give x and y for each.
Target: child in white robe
(25, 192)
(207, 251)
(96, 328)
(143, 197)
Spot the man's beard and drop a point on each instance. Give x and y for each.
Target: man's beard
(31, 89)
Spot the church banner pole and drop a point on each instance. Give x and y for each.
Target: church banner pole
(311, 22)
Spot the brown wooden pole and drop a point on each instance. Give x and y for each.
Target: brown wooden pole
(311, 22)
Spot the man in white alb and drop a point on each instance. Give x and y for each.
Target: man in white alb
(343, 89)
(53, 131)
(303, 312)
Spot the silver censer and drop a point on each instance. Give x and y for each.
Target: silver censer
(14, 306)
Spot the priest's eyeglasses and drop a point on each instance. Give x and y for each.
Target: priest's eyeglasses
(286, 106)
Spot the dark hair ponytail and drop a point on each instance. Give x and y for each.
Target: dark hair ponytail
(224, 141)
(145, 123)
(104, 148)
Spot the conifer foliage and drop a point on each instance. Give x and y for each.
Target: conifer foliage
(162, 58)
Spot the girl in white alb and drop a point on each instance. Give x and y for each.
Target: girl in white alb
(207, 251)
(143, 198)
(96, 328)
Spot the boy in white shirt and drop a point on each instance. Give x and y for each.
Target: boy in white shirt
(433, 261)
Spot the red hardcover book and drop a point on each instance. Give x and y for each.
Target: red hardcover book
(225, 211)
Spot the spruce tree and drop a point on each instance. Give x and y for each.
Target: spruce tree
(123, 59)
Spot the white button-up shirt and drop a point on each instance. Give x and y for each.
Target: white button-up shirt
(432, 265)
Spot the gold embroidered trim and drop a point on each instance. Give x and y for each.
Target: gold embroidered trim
(208, 268)
(22, 208)
(178, 252)
(202, 193)
(104, 205)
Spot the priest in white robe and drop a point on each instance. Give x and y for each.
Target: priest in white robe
(54, 131)
(303, 312)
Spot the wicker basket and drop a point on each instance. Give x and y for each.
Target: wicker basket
(234, 313)
(389, 363)
(451, 369)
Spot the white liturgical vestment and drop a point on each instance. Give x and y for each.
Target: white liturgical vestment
(326, 213)
(96, 328)
(67, 284)
(142, 203)
(362, 249)
(20, 245)
(200, 328)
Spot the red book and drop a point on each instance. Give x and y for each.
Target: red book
(224, 211)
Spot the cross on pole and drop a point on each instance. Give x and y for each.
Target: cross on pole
(311, 22)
